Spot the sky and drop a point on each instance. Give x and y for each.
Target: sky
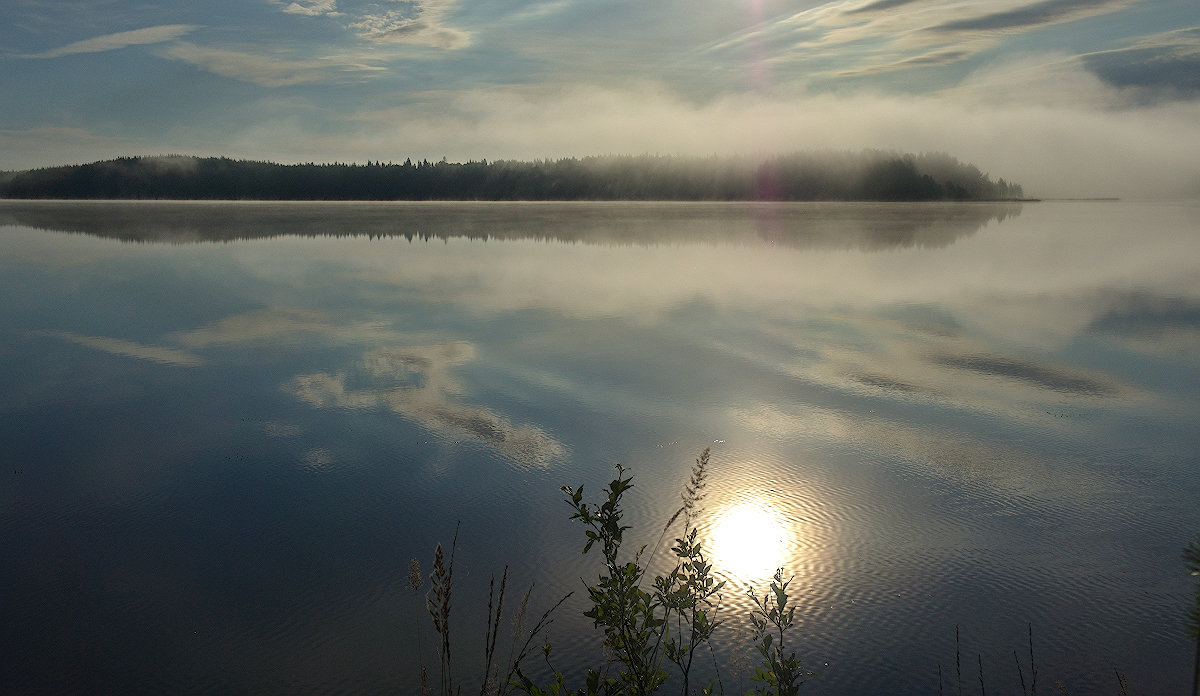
(1066, 97)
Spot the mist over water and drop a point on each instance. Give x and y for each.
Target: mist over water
(228, 427)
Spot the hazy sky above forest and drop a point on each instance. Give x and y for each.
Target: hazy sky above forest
(1068, 97)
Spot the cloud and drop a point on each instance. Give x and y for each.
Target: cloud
(311, 8)
(262, 325)
(124, 39)
(541, 10)
(1046, 377)
(1164, 66)
(1005, 467)
(117, 346)
(276, 323)
(880, 5)
(835, 40)
(1035, 15)
(265, 71)
(924, 60)
(940, 361)
(1162, 327)
(420, 22)
(415, 383)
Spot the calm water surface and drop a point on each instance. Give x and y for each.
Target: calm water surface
(226, 428)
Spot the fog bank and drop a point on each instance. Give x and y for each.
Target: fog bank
(1059, 133)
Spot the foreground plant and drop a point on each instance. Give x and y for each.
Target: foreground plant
(634, 620)
(648, 623)
(494, 682)
(781, 672)
(690, 590)
(644, 628)
(438, 604)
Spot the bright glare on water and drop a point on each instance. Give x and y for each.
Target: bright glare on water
(749, 541)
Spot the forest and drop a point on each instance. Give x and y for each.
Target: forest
(864, 176)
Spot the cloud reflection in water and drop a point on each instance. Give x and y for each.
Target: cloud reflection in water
(131, 349)
(415, 383)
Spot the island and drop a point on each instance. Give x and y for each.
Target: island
(871, 175)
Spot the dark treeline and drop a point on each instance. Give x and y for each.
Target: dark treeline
(870, 175)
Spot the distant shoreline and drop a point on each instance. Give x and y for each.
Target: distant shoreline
(823, 176)
(648, 201)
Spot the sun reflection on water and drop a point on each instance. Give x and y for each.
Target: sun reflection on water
(749, 541)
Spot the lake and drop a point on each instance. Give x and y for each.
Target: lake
(226, 428)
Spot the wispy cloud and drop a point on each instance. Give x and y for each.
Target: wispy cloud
(1035, 15)
(278, 323)
(1007, 468)
(945, 57)
(124, 39)
(887, 35)
(421, 22)
(540, 10)
(880, 5)
(118, 346)
(1046, 377)
(266, 71)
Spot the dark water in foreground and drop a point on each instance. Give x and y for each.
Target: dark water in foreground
(226, 428)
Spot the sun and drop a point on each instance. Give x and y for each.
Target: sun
(749, 541)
